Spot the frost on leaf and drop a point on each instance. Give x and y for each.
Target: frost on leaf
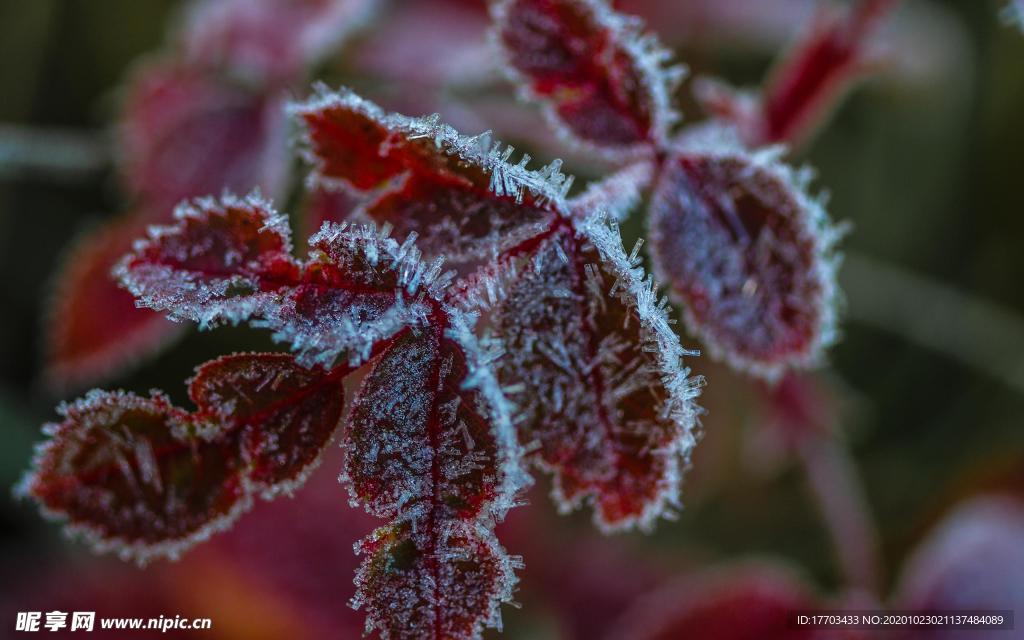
(459, 194)
(288, 413)
(230, 261)
(604, 397)
(747, 253)
(184, 133)
(599, 77)
(93, 328)
(146, 479)
(430, 448)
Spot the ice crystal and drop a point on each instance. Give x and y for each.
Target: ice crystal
(143, 478)
(606, 401)
(550, 346)
(602, 81)
(747, 251)
(460, 194)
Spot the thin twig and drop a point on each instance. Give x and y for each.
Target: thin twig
(974, 332)
(51, 154)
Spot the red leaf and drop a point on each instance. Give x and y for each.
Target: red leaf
(747, 253)
(448, 589)
(93, 328)
(604, 394)
(293, 412)
(458, 194)
(230, 261)
(600, 79)
(187, 133)
(269, 41)
(132, 476)
(742, 603)
(146, 479)
(430, 448)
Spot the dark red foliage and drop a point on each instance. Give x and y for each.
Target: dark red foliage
(93, 327)
(589, 65)
(746, 252)
(142, 477)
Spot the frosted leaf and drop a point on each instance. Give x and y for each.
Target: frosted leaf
(748, 253)
(268, 41)
(185, 133)
(415, 437)
(705, 605)
(459, 194)
(430, 447)
(287, 413)
(603, 394)
(146, 479)
(601, 79)
(416, 587)
(127, 475)
(230, 261)
(93, 328)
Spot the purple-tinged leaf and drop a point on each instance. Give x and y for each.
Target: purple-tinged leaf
(186, 133)
(458, 194)
(601, 80)
(747, 252)
(973, 560)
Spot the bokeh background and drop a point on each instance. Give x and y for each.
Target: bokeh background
(926, 387)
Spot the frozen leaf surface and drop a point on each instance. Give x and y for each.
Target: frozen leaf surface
(230, 260)
(141, 477)
(185, 133)
(601, 80)
(93, 328)
(430, 448)
(604, 397)
(747, 253)
(459, 194)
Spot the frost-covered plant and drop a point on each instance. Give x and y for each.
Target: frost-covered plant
(547, 345)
